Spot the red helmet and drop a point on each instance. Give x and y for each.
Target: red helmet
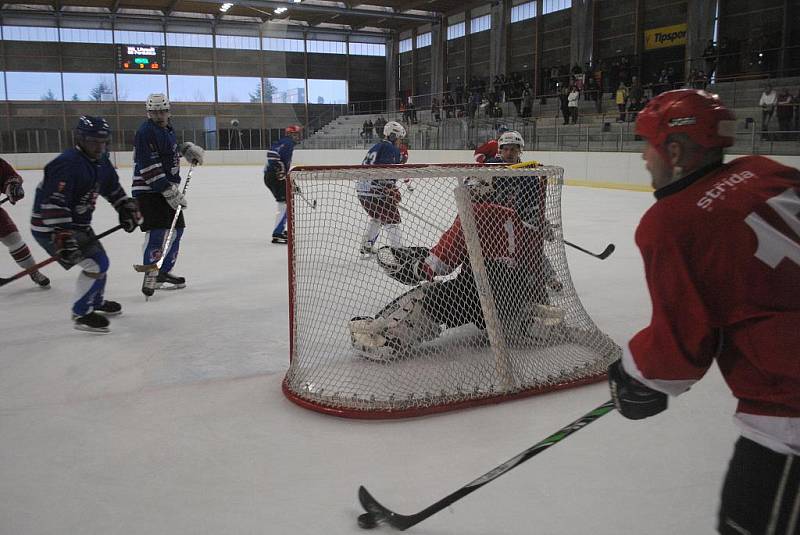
(293, 129)
(698, 114)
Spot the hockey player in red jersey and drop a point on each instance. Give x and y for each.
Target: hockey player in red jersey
(721, 250)
(490, 149)
(11, 185)
(508, 218)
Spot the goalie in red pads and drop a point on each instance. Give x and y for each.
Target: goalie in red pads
(721, 250)
(509, 215)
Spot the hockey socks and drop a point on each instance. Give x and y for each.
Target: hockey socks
(280, 220)
(22, 256)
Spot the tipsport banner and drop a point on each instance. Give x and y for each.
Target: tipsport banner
(665, 36)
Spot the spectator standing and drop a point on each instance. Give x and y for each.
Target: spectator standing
(364, 129)
(563, 100)
(572, 103)
(621, 99)
(785, 111)
(527, 100)
(769, 98)
(368, 127)
(710, 57)
(380, 122)
(635, 97)
(435, 111)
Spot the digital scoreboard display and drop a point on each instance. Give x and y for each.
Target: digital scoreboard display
(141, 58)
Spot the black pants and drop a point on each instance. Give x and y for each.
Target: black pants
(157, 213)
(276, 185)
(760, 491)
(456, 302)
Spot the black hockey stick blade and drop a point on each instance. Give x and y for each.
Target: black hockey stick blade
(602, 256)
(6, 280)
(4, 199)
(380, 514)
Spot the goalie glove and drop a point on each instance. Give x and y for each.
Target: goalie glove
(403, 264)
(193, 153)
(174, 197)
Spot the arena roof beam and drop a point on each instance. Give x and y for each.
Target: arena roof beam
(323, 9)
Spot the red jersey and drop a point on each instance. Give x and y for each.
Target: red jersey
(7, 172)
(502, 237)
(486, 151)
(722, 261)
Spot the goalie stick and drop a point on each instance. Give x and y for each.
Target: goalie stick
(168, 238)
(377, 513)
(27, 271)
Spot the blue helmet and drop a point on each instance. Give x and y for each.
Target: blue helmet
(95, 127)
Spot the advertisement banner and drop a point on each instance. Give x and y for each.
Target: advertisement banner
(665, 36)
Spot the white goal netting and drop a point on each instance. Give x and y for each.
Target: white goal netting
(466, 297)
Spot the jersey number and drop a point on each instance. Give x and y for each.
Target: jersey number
(370, 158)
(773, 245)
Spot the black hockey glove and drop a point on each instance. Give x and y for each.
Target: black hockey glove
(632, 399)
(129, 215)
(66, 247)
(14, 190)
(403, 263)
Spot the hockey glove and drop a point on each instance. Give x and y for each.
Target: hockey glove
(632, 399)
(394, 194)
(403, 264)
(174, 197)
(193, 153)
(66, 247)
(129, 215)
(14, 190)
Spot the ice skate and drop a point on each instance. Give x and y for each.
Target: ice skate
(40, 279)
(91, 322)
(168, 281)
(109, 308)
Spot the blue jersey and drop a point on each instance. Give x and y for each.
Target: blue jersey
(382, 153)
(280, 154)
(66, 197)
(156, 161)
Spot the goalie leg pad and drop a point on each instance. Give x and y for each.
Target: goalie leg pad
(543, 322)
(402, 325)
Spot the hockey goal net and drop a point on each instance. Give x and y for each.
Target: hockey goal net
(474, 305)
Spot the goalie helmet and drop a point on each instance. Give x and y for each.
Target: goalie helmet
(393, 128)
(511, 138)
(698, 114)
(157, 102)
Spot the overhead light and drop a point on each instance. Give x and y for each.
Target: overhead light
(225, 7)
(297, 1)
(279, 10)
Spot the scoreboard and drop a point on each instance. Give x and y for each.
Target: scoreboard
(141, 58)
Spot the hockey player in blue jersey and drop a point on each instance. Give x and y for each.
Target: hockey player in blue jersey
(380, 197)
(156, 181)
(62, 216)
(279, 161)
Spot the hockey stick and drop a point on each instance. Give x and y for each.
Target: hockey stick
(5, 199)
(602, 256)
(377, 513)
(422, 218)
(297, 189)
(168, 238)
(28, 271)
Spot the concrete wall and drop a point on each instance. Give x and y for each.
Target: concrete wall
(622, 170)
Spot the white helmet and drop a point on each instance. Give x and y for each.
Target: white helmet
(393, 127)
(157, 102)
(511, 138)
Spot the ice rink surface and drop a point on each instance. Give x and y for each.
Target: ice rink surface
(175, 422)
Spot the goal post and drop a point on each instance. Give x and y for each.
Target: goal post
(496, 318)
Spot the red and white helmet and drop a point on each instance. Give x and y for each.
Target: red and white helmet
(293, 129)
(698, 114)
